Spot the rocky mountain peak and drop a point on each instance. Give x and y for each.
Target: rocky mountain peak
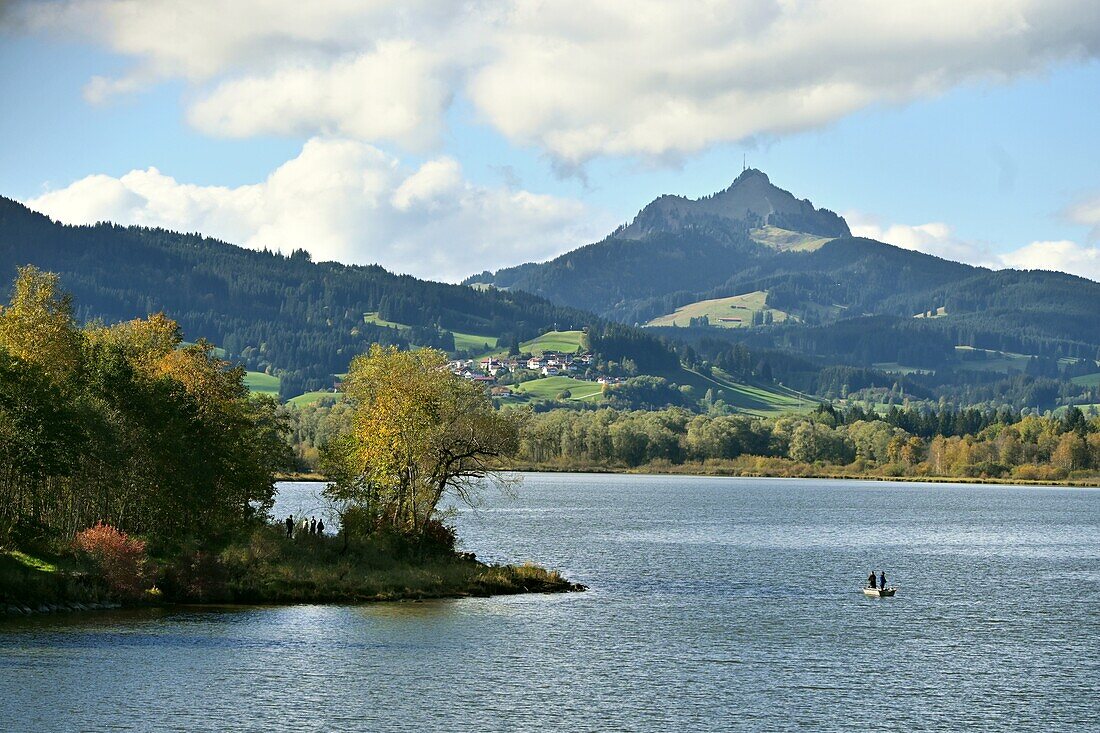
(751, 201)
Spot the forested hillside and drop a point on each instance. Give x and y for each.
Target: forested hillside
(271, 311)
(841, 298)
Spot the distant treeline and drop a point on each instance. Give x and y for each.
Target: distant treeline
(965, 444)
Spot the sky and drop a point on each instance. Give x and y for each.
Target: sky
(441, 139)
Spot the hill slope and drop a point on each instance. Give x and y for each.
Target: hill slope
(755, 237)
(268, 310)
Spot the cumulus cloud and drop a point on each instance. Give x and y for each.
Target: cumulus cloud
(934, 238)
(1062, 256)
(576, 78)
(937, 238)
(393, 93)
(346, 200)
(1086, 212)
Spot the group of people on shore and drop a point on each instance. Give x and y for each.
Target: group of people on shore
(881, 580)
(312, 526)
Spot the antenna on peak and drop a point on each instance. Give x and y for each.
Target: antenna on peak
(744, 162)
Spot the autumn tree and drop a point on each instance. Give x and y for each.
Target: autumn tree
(125, 425)
(418, 433)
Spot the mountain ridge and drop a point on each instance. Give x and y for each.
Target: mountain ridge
(680, 251)
(751, 200)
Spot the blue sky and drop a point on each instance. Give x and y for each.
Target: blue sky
(980, 166)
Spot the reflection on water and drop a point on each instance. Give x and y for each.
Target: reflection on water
(715, 604)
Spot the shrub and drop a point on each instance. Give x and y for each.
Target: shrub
(119, 558)
(1034, 472)
(197, 576)
(438, 537)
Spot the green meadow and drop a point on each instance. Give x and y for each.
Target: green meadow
(473, 342)
(748, 398)
(785, 240)
(260, 383)
(548, 388)
(564, 341)
(737, 309)
(310, 398)
(1087, 380)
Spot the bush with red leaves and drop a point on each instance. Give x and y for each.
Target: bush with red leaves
(121, 559)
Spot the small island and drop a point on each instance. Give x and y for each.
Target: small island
(137, 468)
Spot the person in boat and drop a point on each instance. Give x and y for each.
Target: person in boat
(871, 580)
(882, 580)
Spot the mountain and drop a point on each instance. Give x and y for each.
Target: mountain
(833, 316)
(304, 319)
(751, 202)
(755, 255)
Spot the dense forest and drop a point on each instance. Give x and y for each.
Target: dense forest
(124, 425)
(303, 319)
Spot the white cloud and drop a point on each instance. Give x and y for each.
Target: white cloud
(937, 238)
(348, 201)
(1086, 212)
(577, 78)
(934, 238)
(392, 93)
(1062, 256)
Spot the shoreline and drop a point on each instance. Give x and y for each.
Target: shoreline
(23, 610)
(269, 569)
(703, 471)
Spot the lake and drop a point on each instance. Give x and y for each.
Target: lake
(714, 604)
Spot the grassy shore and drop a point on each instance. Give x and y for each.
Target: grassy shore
(757, 467)
(268, 567)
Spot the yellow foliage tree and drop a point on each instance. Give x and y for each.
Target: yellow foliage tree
(418, 433)
(37, 325)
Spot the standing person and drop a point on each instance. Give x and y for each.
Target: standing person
(303, 527)
(871, 580)
(290, 526)
(882, 580)
(320, 526)
(313, 525)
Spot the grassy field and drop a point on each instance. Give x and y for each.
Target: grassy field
(260, 383)
(1087, 380)
(473, 342)
(379, 321)
(892, 367)
(995, 361)
(564, 341)
(748, 398)
(548, 388)
(784, 239)
(310, 398)
(739, 307)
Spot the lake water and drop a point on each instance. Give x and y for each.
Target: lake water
(715, 604)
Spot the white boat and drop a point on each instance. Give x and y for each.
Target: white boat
(880, 592)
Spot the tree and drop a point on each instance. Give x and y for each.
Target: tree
(418, 433)
(37, 325)
(1071, 454)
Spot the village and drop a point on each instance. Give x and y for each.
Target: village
(498, 373)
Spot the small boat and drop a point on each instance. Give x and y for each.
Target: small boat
(880, 592)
